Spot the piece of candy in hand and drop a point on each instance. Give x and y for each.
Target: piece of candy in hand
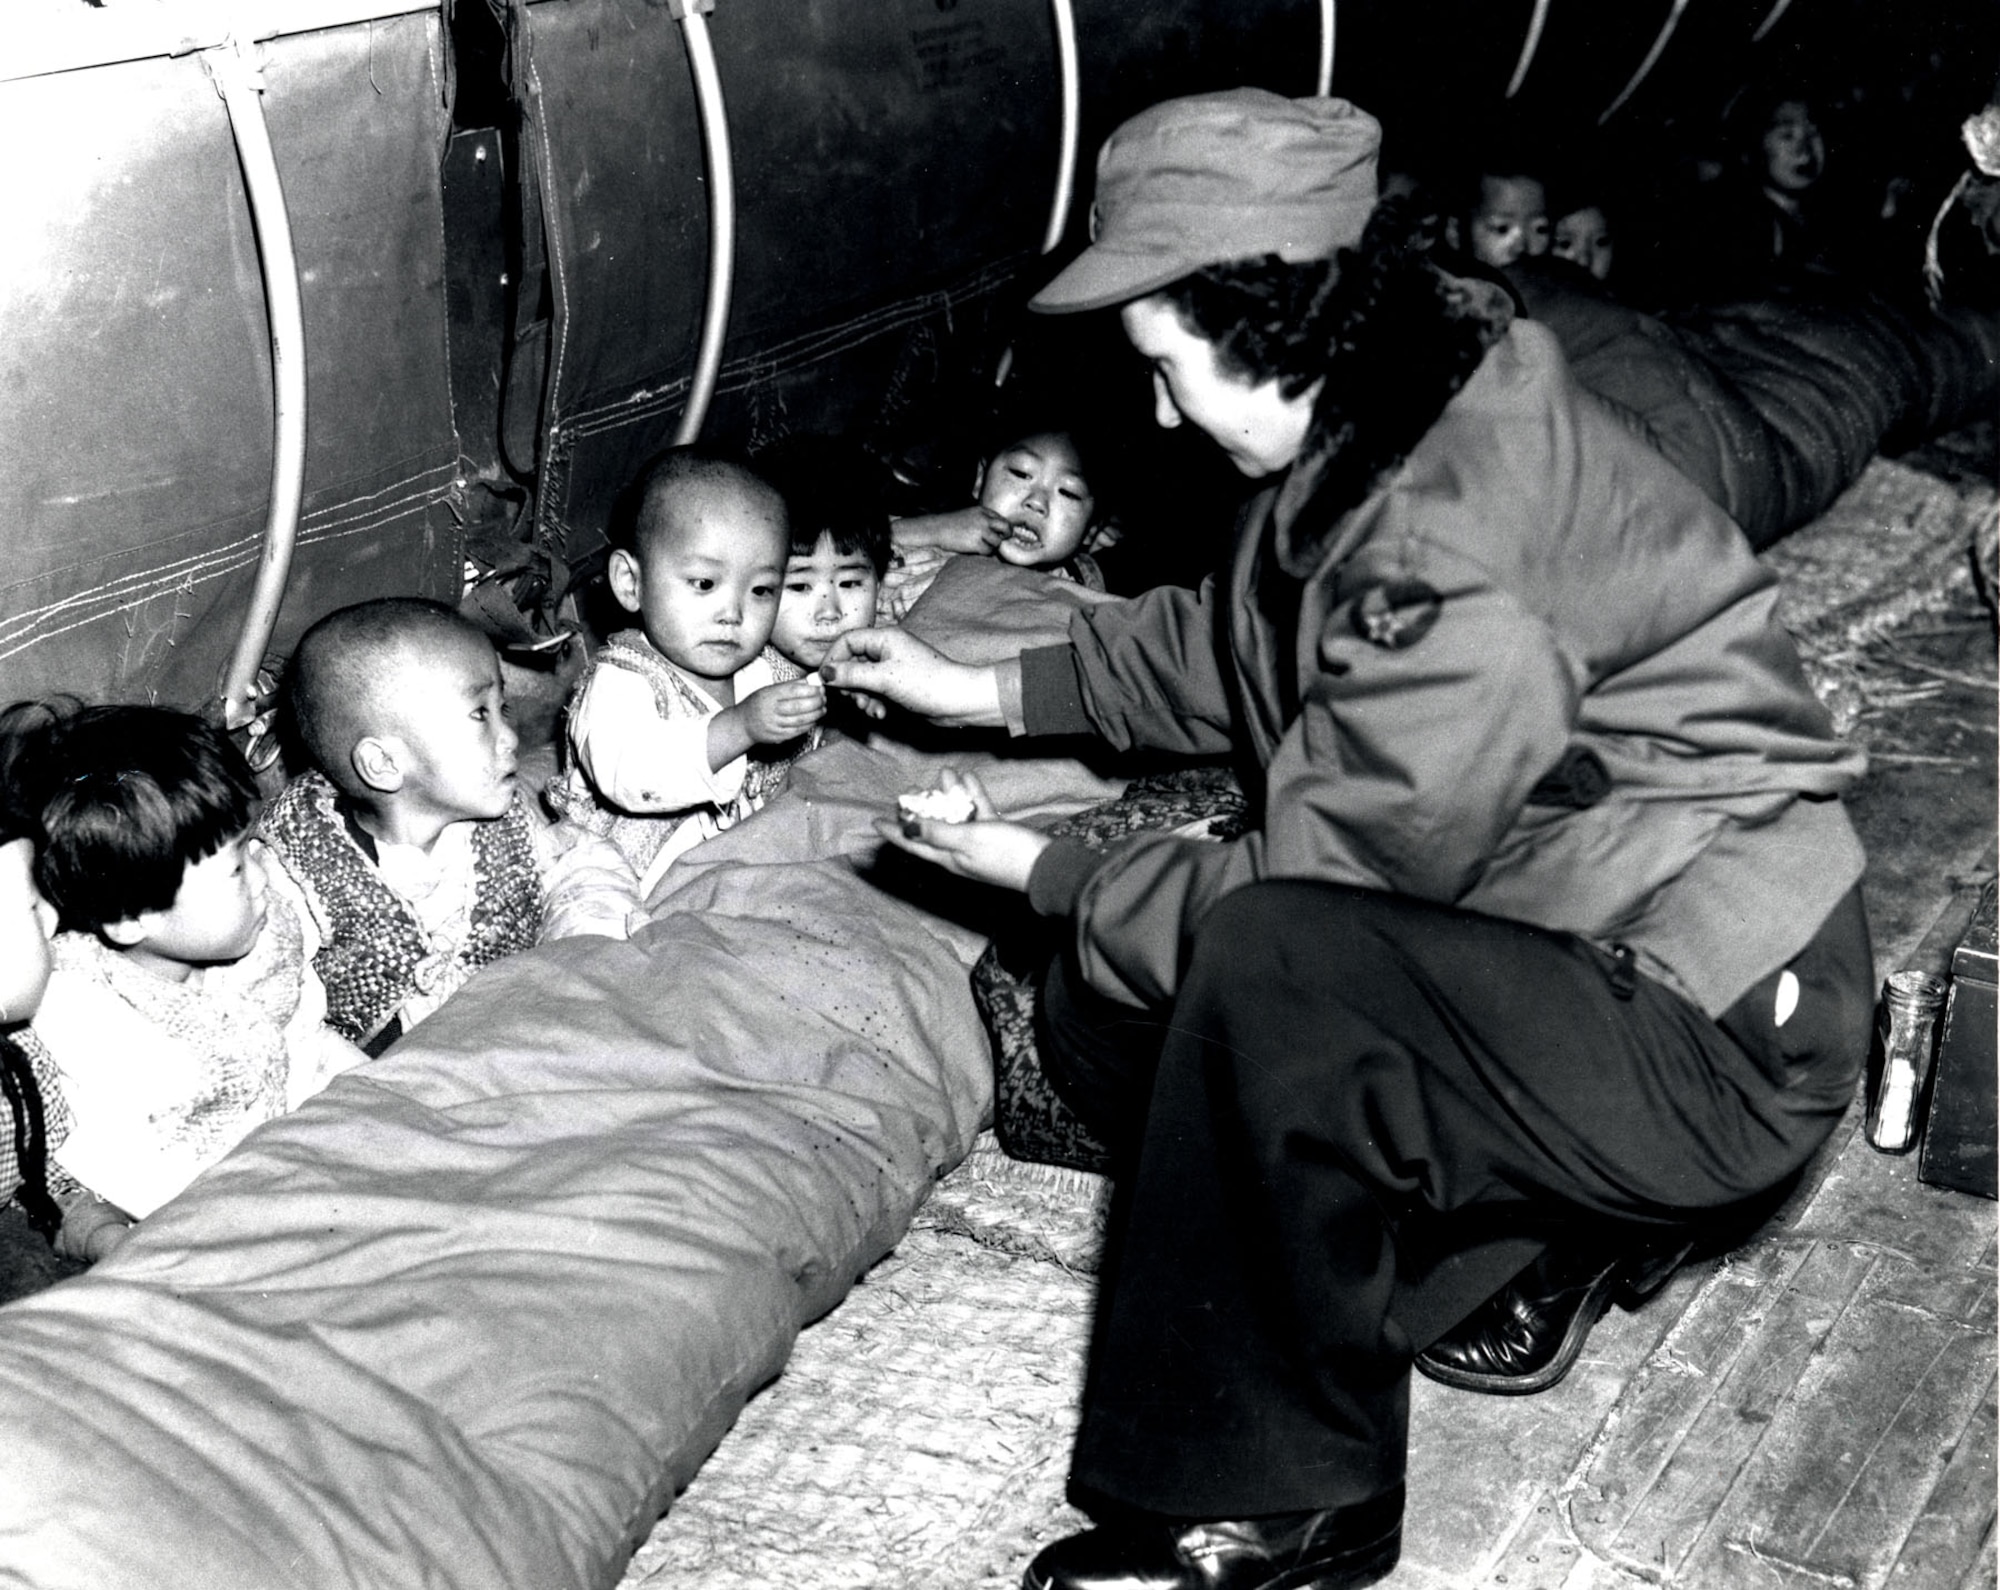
(934, 805)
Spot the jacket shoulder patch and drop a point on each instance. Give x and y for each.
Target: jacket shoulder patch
(1395, 614)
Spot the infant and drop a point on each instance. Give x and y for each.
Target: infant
(1582, 235)
(1509, 218)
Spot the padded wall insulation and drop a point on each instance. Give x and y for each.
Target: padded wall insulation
(135, 388)
(894, 162)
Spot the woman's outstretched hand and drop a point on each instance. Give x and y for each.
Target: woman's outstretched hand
(985, 849)
(894, 666)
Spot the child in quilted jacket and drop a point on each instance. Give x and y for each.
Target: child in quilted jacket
(408, 847)
(180, 1011)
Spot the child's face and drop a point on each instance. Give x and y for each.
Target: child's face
(1584, 237)
(826, 594)
(1511, 220)
(26, 921)
(450, 718)
(705, 582)
(215, 917)
(1037, 486)
(1794, 151)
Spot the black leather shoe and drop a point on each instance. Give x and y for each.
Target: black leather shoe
(1527, 1336)
(1339, 1548)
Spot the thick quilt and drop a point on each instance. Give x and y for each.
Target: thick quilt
(470, 1317)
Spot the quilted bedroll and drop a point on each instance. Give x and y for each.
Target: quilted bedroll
(1773, 406)
(472, 1315)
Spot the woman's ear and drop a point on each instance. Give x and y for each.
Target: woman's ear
(378, 763)
(627, 582)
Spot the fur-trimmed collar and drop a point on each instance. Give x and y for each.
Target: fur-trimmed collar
(1423, 334)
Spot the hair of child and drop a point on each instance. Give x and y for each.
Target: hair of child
(334, 682)
(680, 472)
(124, 799)
(832, 487)
(20, 735)
(22, 1095)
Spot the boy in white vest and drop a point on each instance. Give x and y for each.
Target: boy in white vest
(684, 725)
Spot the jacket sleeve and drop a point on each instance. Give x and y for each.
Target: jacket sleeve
(1151, 671)
(1410, 759)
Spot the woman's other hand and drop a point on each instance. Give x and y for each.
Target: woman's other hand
(893, 665)
(985, 849)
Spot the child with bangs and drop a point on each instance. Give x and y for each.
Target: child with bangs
(180, 1011)
(840, 548)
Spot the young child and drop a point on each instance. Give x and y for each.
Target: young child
(1508, 217)
(181, 1011)
(37, 1118)
(1034, 508)
(670, 733)
(1582, 235)
(413, 858)
(840, 547)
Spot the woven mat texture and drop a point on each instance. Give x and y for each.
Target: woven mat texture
(919, 1438)
(920, 1434)
(1897, 544)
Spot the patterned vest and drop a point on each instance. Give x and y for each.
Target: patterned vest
(375, 955)
(642, 836)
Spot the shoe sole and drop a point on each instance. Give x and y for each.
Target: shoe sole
(1581, 1324)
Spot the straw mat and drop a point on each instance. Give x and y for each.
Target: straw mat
(919, 1437)
(1896, 544)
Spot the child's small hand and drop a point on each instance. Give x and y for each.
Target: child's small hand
(92, 1229)
(782, 712)
(976, 530)
(908, 577)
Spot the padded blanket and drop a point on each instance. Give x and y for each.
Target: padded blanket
(471, 1316)
(1773, 407)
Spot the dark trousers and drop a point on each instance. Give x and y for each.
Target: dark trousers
(1362, 1116)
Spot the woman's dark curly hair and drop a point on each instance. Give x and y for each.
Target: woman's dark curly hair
(1388, 331)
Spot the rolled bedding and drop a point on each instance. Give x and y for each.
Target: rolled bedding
(1773, 406)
